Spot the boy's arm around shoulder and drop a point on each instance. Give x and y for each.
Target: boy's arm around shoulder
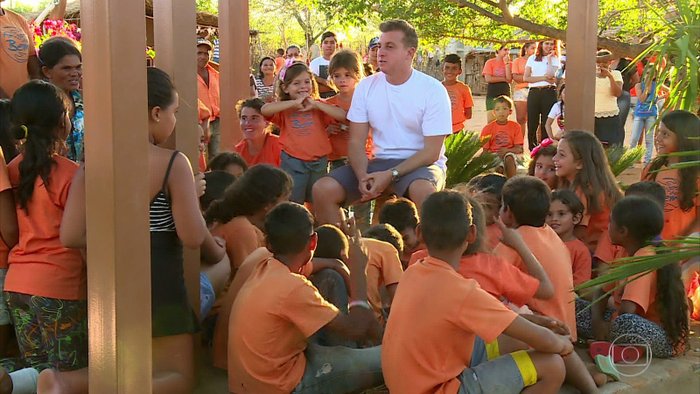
(513, 239)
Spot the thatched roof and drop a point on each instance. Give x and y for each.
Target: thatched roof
(203, 18)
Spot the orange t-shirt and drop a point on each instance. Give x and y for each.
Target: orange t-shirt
(461, 99)
(518, 67)
(303, 134)
(494, 275)
(279, 63)
(641, 291)
(16, 46)
(580, 261)
(500, 136)
(39, 264)
(339, 140)
(383, 269)
(203, 113)
(676, 220)
(606, 252)
(273, 315)
(209, 94)
(5, 185)
(435, 316)
(241, 237)
(494, 67)
(596, 223)
(554, 256)
(269, 154)
(493, 234)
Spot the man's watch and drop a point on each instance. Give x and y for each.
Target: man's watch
(394, 174)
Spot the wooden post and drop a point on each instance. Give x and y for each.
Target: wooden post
(581, 45)
(175, 25)
(235, 66)
(118, 253)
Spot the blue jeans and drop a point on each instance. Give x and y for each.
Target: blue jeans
(647, 125)
(624, 103)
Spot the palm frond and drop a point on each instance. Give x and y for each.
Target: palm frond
(463, 163)
(621, 158)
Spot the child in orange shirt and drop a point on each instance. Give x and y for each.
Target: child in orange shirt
(653, 306)
(460, 94)
(582, 166)
(229, 162)
(8, 216)
(679, 131)
(565, 213)
(302, 120)
(541, 163)
(438, 352)
(504, 137)
(526, 202)
(487, 189)
(402, 214)
(258, 145)
(238, 218)
(277, 310)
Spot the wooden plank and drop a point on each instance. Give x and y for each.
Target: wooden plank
(117, 196)
(581, 45)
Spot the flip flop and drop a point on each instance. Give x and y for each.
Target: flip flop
(605, 366)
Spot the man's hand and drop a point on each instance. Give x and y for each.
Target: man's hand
(375, 184)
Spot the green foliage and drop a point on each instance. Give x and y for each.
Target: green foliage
(210, 6)
(621, 158)
(462, 162)
(679, 44)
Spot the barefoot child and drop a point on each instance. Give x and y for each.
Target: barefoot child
(542, 163)
(504, 137)
(434, 352)
(565, 213)
(460, 94)
(302, 120)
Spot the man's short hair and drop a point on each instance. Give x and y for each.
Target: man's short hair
(400, 213)
(453, 58)
(387, 233)
(410, 37)
(288, 228)
(445, 221)
(328, 34)
(528, 198)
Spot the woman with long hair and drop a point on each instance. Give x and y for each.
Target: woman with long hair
(540, 73)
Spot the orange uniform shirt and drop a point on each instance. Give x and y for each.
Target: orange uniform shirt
(518, 67)
(554, 256)
(279, 63)
(501, 136)
(606, 251)
(16, 46)
(580, 261)
(269, 154)
(493, 234)
(494, 275)
(642, 292)
(242, 239)
(676, 220)
(435, 316)
(596, 223)
(383, 269)
(5, 185)
(39, 263)
(460, 99)
(210, 94)
(303, 134)
(273, 315)
(339, 140)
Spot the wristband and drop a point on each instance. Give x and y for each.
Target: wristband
(363, 304)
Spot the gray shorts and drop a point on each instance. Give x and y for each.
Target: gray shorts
(498, 376)
(304, 174)
(347, 179)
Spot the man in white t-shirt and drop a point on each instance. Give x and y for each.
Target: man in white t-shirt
(319, 66)
(409, 114)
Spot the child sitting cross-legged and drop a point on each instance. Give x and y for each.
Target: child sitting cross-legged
(433, 353)
(504, 137)
(565, 212)
(277, 310)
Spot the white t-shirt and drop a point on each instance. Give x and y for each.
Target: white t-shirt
(605, 102)
(555, 111)
(539, 69)
(316, 65)
(402, 115)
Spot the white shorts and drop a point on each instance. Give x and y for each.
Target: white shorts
(520, 94)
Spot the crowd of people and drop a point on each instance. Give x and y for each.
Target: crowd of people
(303, 288)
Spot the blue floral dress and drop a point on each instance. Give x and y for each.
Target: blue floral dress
(74, 141)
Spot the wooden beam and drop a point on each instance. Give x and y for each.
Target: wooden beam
(581, 45)
(117, 196)
(234, 50)
(176, 48)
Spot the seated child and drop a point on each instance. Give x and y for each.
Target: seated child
(437, 314)
(542, 163)
(270, 351)
(230, 162)
(504, 137)
(402, 214)
(653, 306)
(487, 188)
(565, 213)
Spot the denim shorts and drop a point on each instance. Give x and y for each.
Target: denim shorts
(304, 174)
(504, 375)
(207, 296)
